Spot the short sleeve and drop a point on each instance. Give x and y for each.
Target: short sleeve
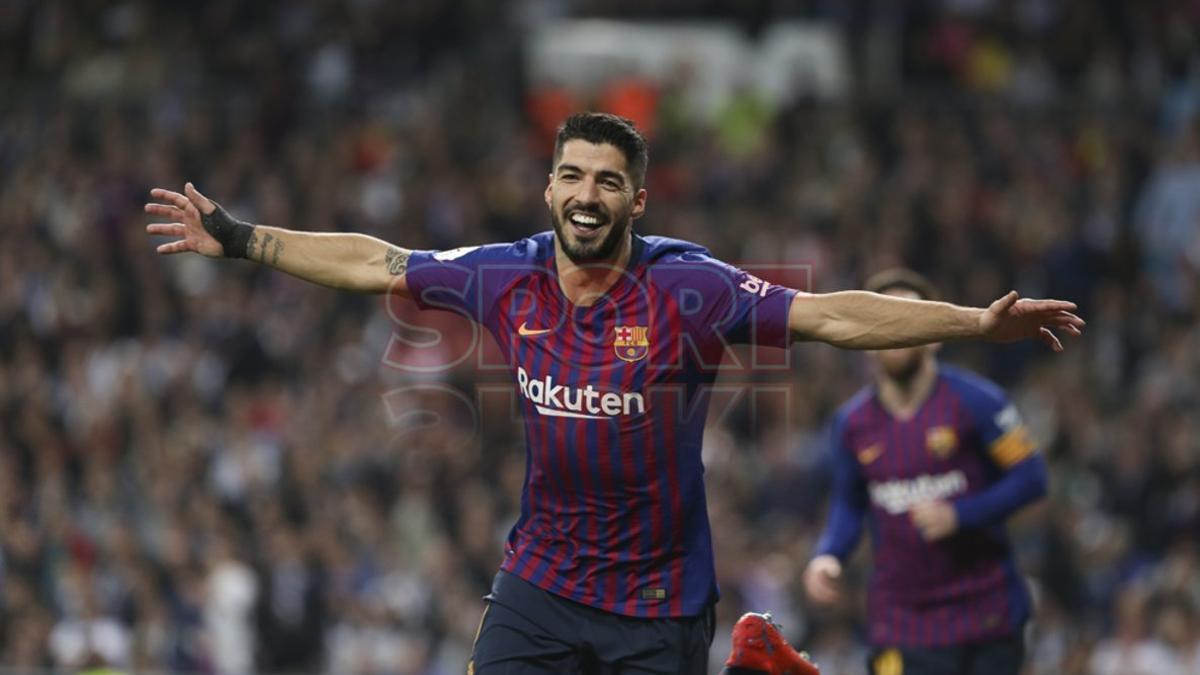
(1002, 432)
(467, 280)
(719, 299)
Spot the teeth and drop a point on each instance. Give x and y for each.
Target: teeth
(584, 219)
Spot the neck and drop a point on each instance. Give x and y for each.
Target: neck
(902, 397)
(584, 283)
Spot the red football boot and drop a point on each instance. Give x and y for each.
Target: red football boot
(758, 647)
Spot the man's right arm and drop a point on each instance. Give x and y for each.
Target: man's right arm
(847, 509)
(348, 261)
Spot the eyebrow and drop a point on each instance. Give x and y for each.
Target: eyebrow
(603, 173)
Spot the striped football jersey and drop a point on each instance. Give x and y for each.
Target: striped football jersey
(966, 444)
(614, 397)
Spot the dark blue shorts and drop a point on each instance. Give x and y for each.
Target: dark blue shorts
(527, 630)
(998, 657)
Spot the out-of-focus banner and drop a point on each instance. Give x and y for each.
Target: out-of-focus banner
(710, 61)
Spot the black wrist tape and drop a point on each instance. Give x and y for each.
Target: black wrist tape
(232, 233)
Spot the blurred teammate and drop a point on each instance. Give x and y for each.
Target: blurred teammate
(612, 339)
(936, 459)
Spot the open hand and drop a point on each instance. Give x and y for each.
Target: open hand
(185, 211)
(1009, 319)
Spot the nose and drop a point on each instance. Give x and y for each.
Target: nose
(589, 191)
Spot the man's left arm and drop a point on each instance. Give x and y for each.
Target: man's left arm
(1008, 447)
(865, 320)
(1020, 485)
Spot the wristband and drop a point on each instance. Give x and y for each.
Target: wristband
(233, 234)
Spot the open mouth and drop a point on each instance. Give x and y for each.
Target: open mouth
(585, 224)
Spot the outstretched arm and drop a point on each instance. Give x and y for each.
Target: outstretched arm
(864, 320)
(354, 262)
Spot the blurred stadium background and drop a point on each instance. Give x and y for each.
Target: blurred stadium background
(210, 468)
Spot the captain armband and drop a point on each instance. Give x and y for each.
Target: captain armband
(1012, 448)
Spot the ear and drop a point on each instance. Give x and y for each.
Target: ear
(546, 195)
(639, 203)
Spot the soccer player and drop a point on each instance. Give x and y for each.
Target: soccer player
(612, 338)
(936, 459)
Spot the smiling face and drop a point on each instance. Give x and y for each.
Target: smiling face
(593, 200)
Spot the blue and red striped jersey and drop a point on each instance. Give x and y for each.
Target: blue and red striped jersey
(614, 397)
(965, 444)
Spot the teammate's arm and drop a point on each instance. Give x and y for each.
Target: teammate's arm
(864, 320)
(348, 261)
(1008, 447)
(847, 509)
(1020, 485)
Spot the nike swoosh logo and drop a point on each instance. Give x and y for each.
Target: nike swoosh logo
(527, 332)
(870, 453)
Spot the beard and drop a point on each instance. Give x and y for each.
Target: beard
(596, 249)
(903, 370)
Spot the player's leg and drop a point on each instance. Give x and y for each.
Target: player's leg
(999, 657)
(622, 645)
(509, 644)
(523, 631)
(915, 661)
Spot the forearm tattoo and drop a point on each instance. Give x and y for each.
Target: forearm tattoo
(396, 260)
(265, 249)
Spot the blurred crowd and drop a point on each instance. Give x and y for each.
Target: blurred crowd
(206, 467)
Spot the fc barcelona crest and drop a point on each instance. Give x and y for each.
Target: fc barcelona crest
(631, 343)
(941, 441)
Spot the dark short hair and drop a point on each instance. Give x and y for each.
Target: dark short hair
(901, 279)
(598, 127)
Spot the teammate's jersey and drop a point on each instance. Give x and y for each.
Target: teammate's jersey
(614, 398)
(965, 444)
